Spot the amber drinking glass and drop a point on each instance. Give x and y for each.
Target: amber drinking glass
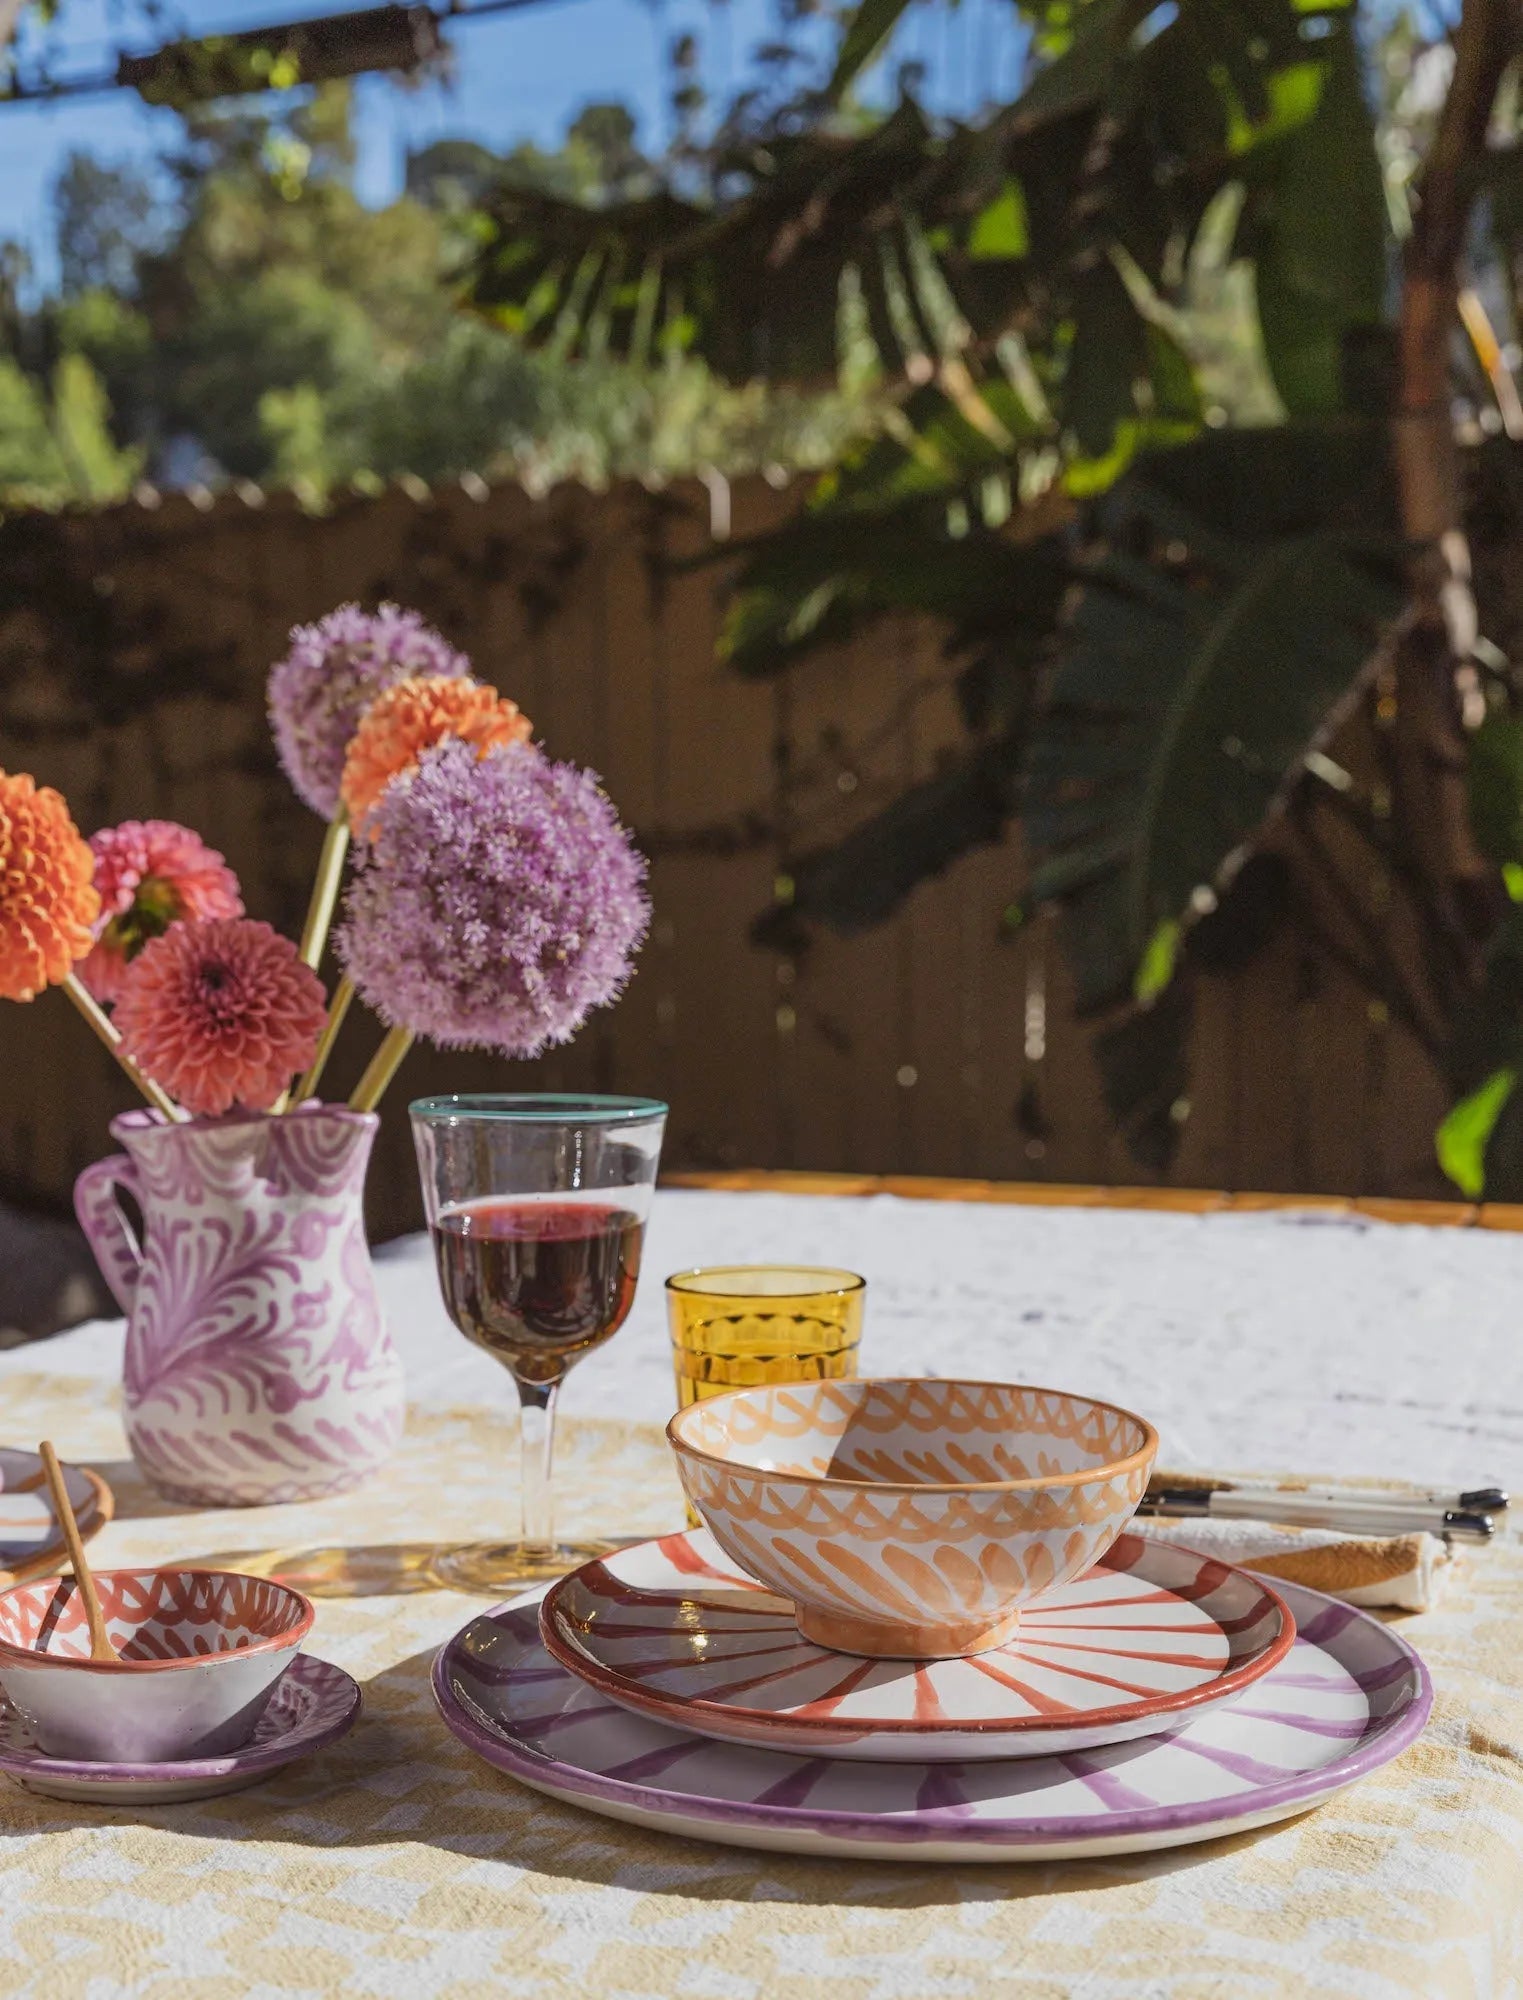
(537, 1206)
(736, 1326)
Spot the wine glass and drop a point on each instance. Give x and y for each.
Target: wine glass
(537, 1206)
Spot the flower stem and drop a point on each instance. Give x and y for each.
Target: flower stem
(381, 1068)
(330, 876)
(100, 1022)
(338, 1007)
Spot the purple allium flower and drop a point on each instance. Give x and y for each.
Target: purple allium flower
(500, 902)
(333, 672)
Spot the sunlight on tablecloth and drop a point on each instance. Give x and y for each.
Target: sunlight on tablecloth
(396, 1865)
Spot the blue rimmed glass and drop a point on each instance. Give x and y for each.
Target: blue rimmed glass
(537, 1206)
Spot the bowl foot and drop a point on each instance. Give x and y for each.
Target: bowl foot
(876, 1640)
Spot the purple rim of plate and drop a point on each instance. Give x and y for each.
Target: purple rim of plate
(320, 1681)
(1318, 1618)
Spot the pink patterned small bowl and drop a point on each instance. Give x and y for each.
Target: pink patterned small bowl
(201, 1653)
(911, 1519)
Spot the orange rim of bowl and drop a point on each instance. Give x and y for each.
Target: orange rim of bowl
(29, 1657)
(1143, 1455)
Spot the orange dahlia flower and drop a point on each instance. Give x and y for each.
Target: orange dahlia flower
(410, 718)
(48, 903)
(221, 1013)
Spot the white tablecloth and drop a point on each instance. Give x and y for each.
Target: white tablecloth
(1300, 1341)
(396, 1866)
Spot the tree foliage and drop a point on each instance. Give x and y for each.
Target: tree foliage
(1166, 579)
(244, 314)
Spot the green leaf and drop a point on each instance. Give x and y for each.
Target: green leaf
(1171, 377)
(1462, 1139)
(1143, 1061)
(1156, 967)
(755, 286)
(872, 23)
(1294, 96)
(1085, 478)
(1082, 75)
(1319, 235)
(1229, 610)
(819, 579)
(1003, 229)
(1494, 776)
(931, 449)
(1107, 359)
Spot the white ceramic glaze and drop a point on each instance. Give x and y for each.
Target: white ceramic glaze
(312, 1704)
(911, 1519)
(200, 1650)
(1150, 1639)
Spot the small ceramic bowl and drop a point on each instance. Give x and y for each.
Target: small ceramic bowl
(201, 1652)
(911, 1519)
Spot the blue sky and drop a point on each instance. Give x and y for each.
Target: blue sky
(521, 75)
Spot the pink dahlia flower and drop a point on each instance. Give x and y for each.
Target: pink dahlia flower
(500, 902)
(150, 873)
(221, 1014)
(333, 672)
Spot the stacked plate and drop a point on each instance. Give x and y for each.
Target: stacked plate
(31, 1541)
(1158, 1698)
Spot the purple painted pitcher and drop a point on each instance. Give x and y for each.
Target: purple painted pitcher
(258, 1366)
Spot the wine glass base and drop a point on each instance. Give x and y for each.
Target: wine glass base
(496, 1569)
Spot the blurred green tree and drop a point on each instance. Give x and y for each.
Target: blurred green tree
(248, 316)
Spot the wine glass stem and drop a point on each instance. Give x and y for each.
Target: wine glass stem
(537, 1435)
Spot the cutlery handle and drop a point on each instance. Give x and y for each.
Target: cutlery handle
(101, 1647)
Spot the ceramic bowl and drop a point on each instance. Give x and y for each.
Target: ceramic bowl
(911, 1519)
(201, 1652)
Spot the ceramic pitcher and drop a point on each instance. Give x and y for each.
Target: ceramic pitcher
(258, 1365)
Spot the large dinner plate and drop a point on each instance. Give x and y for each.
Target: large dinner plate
(1348, 1696)
(1150, 1638)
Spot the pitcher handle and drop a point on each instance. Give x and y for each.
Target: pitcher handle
(112, 1238)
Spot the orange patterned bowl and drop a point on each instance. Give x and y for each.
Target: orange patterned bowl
(199, 1653)
(911, 1519)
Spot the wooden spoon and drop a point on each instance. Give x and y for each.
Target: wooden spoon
(101, 1647)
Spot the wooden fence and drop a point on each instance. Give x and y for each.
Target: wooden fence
(133, 650)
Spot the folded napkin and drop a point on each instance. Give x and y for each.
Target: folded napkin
(1396, 1572)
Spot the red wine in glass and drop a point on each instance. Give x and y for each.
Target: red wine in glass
(538, 1283)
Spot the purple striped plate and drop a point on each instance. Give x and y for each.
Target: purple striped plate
(1349, 1696)
(1147, 1640)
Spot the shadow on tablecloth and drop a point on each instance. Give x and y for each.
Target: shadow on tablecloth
(400, 1779)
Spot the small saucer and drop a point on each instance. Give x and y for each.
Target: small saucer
(313, 1704)
(1150, 1638)
(31, 1542)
